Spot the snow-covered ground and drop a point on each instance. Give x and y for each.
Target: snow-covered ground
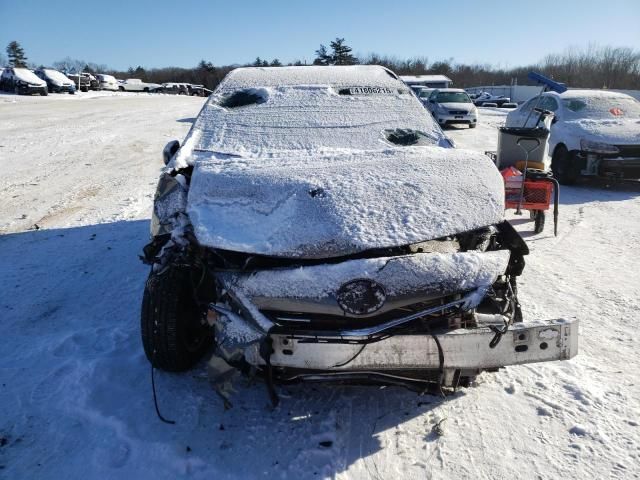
(75, 393)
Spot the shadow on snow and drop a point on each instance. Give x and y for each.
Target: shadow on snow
(71, 314)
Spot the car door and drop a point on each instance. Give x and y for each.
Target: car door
(552, 104)
(525, 116)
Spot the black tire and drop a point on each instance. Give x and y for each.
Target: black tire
(174, 333)
(146, 89)
(121, 89)
(539, 221)
(44, 93)
(564, 169)
(473, 125)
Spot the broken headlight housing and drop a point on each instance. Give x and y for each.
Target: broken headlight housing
(598, 147)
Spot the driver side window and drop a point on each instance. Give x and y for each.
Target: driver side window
(549, 103)
(528, 105)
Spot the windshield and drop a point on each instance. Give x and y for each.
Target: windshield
(425, 93)
(453, 97)
(56, 76)
(27, 76)
(260, 120)
(608, 106)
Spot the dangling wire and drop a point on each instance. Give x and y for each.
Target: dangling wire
(155, 399)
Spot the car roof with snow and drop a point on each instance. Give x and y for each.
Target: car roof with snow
(347, 76)
(450, 90)
(582, 93)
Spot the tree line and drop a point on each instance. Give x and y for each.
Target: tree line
(590, 67)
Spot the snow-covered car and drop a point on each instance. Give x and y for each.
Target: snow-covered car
(107, 82)
(57, 82)
(137, 85)
(22, 81)
(452, 106)
(485, 97)
(318, 225)
(593, 132)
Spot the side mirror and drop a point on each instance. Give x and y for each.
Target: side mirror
(554, 119)
(170, 150)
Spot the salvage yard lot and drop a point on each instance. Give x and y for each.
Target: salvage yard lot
(78, 180)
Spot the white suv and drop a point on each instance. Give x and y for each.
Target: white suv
(107, 82)
(137, 85)
(452, 106)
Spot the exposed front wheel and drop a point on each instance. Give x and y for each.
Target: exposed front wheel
(563, 167)
(175, 334)
(473, 125)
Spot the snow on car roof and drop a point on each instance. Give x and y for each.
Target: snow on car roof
(581, 93)
(27, 75)
(56, 75)
(347, 76)
(425, 78)
(451, 90)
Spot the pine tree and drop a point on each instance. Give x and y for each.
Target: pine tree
(342, 53)
(276, 63)
(322, 57)
(258, 62)
(16, 55)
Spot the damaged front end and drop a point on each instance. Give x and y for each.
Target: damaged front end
(436, 312)
(439, 312)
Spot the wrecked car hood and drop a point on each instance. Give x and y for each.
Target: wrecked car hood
(342, 202)
(622, 131)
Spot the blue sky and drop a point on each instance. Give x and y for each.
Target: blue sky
(155, 33)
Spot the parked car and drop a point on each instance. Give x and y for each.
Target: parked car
(423, 95)
(107, 82)
(319, 226)
(137, 85)
(94, 84)
(198, 90)
(82, 82)
(57, 82)
(452, 106)
(485, 98)
(22, 81)
(174, 88)
(594, 132)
